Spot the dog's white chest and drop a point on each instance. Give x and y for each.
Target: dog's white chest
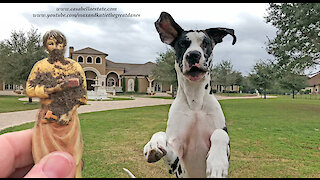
(189, 133)
(196, 145)
(198, 130)
(191, 140)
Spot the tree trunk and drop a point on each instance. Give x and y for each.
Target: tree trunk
(264, 94)
(292, 94)
(30, 100)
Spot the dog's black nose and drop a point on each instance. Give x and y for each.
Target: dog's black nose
(193, 57)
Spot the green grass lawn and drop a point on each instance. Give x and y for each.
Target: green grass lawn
(303, 96)
(273, 137)
(234, 94)
(11, 103)
(268, 138)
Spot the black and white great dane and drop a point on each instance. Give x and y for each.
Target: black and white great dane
(196, 141)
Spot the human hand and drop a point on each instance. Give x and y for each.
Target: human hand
(17, 161)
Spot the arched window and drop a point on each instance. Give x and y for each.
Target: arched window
(98, 60)
(80, 59)
(89, 60)
(130, 85)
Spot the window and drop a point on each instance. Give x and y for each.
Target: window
(8, 87)
(130, 85)
(157, 87)
(89, 60)
(80, 59)
(98, 60)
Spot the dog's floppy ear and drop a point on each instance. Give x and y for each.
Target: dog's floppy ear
(167, 28)
(217, 34)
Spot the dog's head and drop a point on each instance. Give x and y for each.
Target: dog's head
(193, 48)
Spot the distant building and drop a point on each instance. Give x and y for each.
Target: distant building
(109, 75)
(9, 87)
(222, 89)
(314, 84)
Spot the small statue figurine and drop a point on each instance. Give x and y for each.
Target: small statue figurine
(60, 83)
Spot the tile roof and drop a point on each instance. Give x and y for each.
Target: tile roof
(89, 50)
(133, 69)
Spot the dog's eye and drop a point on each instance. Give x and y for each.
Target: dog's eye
(205, 42)
(184, 43)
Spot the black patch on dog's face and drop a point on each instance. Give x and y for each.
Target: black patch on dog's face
(207, 48)
(180, 46)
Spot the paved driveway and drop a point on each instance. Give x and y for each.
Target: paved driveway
(20, 117)
(11, 119)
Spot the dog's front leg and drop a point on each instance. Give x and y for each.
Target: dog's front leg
(218, 155)
(158, 148)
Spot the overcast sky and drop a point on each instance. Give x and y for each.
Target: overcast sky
(135, 39)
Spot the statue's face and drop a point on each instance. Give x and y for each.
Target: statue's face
(52, 44)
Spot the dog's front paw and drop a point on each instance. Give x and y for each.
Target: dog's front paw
(217, 165)
(218, 155)
(155, 149)
(217, 171)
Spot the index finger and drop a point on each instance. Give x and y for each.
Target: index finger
(15, 151)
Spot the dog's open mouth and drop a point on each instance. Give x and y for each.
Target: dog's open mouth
(195, 73)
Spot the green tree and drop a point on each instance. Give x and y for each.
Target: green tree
(262, 76)
(225, 75)
(297, 44)
(123, 84)
(136, 84)
(247, 85)
(18, 54)
(293, 82)
(164, 71)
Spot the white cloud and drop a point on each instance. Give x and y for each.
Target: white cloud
(135, 40)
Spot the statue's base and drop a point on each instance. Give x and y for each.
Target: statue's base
(100, 95)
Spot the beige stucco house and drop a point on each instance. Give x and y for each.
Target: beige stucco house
(220, 88)
(109, 75)
(314, 84)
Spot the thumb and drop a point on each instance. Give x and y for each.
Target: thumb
(54, 165)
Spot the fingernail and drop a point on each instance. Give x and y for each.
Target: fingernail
(58, 165)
